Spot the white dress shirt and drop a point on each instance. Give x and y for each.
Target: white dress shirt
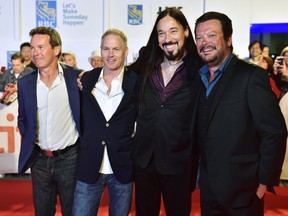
(56, 128)
(108, 103)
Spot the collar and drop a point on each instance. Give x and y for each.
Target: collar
(118, 78)
(60, 73)
(204, 70)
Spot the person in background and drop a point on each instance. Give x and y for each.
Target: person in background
(69, 58)
(283, 103)
(255, 50)
(162, 152)
(239, 128)
(25, 50)
(281, 71)
(109, 109)
(49, 124)
(13, 74)
(95, 59)
(267, 63)
(265, 50)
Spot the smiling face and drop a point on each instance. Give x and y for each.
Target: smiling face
(69, 60)
(96, 62)
(114, 52)
(171, 38)
(42, 53)
(255, 50)
(211, 45)
(26, 52)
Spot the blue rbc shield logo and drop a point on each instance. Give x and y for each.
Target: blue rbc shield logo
(46, 13)
(135, 14)
(9, 54)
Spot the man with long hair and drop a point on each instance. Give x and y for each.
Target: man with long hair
(163, 149)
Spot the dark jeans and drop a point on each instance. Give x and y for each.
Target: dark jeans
(150, 185)
(52, 176)
(88, 196)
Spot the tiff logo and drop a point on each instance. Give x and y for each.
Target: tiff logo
(9, 131)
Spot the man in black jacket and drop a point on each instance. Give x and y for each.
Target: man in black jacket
(109, 109)
(239, 127)
(163, 149)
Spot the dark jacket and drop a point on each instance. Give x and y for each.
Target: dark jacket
(27, 112)
(116, 134)
(163, 129)
(245, 134)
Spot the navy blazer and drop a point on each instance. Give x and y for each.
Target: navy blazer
(27, 111)
(116, 134)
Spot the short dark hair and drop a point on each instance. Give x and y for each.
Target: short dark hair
(255, 42)
(25, 44)
(55, 39)
(225, 21)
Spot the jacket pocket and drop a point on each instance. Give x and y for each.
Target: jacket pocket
(245, 158)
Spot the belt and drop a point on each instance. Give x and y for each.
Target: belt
(59, 152)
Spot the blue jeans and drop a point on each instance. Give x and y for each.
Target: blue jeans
(52, 176)
(87, 196)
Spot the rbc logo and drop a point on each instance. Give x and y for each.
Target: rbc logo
(46, 13)
(9, 54)
(135, 13)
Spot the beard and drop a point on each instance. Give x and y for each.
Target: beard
(214, 60)
(174, 55)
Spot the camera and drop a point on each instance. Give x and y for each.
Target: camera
(280, 60)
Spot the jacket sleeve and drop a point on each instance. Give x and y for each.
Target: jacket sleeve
(270, 125)
(21, 109)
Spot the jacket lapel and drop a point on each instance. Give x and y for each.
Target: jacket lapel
(32, 95)
(129, 82)
(93, 78)
(221, 88)
(73, 94)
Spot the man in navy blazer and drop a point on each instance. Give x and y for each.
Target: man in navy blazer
(239, 129)
(109, 109)
(49, 123)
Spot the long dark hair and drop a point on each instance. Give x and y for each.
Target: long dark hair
(147, 60)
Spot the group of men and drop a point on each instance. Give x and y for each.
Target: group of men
(201, 114)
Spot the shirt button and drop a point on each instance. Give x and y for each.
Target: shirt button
(103, 143)
(107, 125)
(162, 106)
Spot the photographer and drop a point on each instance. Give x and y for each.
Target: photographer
(281, 70)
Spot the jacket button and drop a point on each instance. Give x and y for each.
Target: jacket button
(107, 124)
(103, 143)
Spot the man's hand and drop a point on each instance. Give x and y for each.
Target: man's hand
(79, 80)
(261, 190)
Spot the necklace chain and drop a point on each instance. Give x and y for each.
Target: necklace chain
(171, 64)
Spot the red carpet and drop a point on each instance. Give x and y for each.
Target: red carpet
(16, 200)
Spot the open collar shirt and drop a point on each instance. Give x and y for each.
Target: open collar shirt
(205, 75)
(56, 128)
(108, 103)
